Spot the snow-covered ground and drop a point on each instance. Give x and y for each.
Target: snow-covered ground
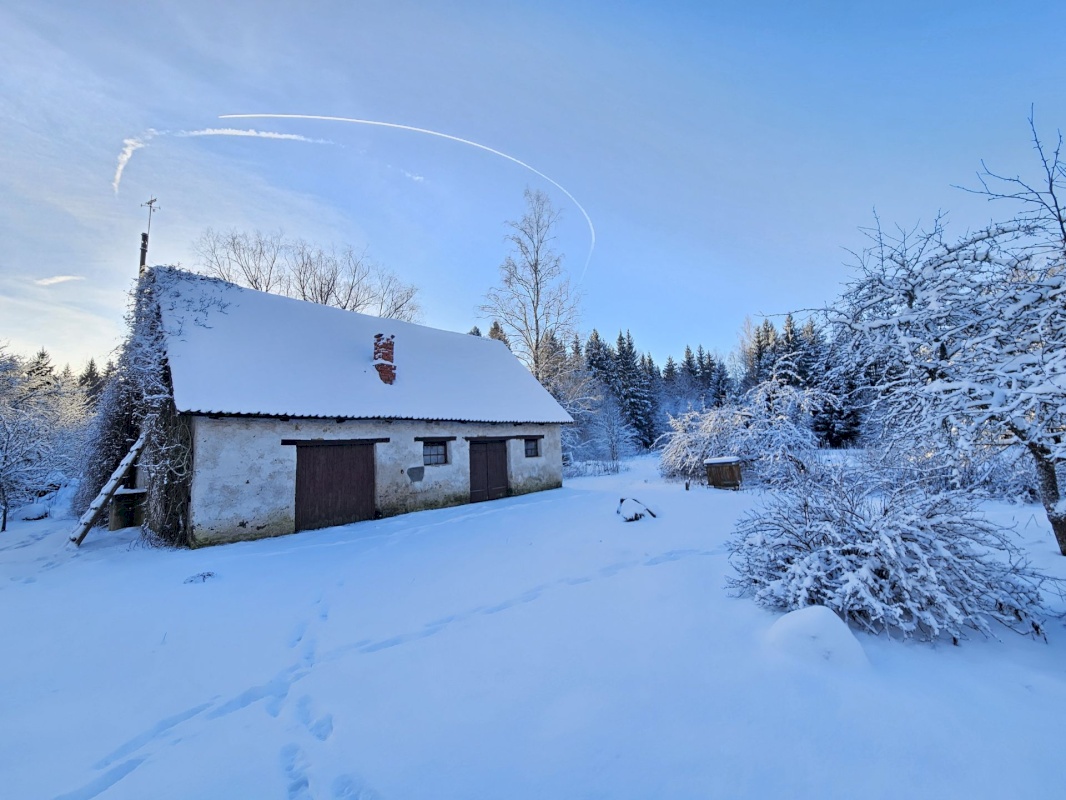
(535, 647)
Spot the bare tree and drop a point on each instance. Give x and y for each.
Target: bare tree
(250, 259)
(299, 269)
(534, 304)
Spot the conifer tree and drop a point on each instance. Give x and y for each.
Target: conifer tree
(689, 366)
(92, 382)
(632, 391)
(787, 353)
(40, 374)
(577, 355)
(496, 332)
(600, 359)
(813, 352)
(670, 373)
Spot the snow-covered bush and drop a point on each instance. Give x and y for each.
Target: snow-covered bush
(698, 435)
(599, 438)
(886, 553)
(770, 431)
(42, 426)
(778, 440)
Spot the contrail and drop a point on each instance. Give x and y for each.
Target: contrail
(131, 145)
(58, 279)
(486, 148)
(292, 137)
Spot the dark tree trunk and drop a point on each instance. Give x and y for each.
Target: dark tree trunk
(3, 518)
(1050, 496)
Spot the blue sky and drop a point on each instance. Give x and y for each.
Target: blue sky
(727, 153)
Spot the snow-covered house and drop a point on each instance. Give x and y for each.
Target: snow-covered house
(300, 416)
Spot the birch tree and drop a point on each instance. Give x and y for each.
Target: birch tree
(534, 303)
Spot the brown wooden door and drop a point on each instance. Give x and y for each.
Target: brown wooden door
(334, 485)
(488, 471)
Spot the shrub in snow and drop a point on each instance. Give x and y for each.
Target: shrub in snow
(887, 554)
(770, 431)
(778, 440)
(42, 426)
(696, 436)
(601, 437)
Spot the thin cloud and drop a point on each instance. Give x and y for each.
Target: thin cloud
(58, 279)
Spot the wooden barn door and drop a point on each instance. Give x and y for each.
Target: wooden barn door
(334, 484)
(488, 471)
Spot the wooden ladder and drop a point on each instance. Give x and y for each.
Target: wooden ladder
(88, 519)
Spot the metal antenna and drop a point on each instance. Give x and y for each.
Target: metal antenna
(144, 236)
(151, 210)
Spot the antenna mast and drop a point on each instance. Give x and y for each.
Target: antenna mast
(144, 236)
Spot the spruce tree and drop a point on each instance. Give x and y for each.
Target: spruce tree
(496, 332)
(689, 366)
(600, 359)
(91, 382)
(813, 352)
(40, 374)
(787, 353)
(632, 391)
(670, 373)
(577, 355)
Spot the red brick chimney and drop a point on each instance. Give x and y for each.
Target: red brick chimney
(383, 358)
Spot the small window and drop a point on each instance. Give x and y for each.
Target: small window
(532, 448)
(434, 453)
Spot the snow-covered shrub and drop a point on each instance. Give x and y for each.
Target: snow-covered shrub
(42, 428)
(778, 441)
(887, 554)
(599, 438)
(770, 431)
(593, 468)
(698, 435)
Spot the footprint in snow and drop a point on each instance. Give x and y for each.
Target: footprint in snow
(350, 787)
(294, 764)
(322, 727)
(297, 634)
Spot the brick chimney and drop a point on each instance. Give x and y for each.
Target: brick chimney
(383, 357)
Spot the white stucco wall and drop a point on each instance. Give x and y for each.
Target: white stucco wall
(244, 479)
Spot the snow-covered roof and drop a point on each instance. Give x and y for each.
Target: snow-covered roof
(237, 351)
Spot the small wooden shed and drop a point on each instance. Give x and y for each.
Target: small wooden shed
(723, 472)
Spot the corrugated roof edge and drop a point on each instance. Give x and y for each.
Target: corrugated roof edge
(251, 415)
